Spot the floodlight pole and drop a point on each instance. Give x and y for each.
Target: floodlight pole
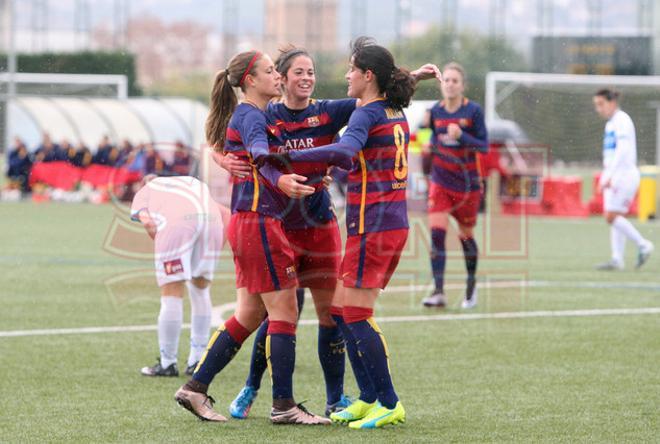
(11, 68)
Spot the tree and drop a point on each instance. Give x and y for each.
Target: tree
(477, 53)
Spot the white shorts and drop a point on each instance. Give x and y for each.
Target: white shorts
(618, 197)
(187, 251)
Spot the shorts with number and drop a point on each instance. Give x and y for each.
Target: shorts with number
(263, 256)
(463, 206)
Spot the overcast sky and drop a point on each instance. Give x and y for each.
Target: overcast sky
(570, 16)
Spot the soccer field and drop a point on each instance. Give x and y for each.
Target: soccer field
(555, 352)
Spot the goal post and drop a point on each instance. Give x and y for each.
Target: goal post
(87, 85)
(556, 109)
(15, 85)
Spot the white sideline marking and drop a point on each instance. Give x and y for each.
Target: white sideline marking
(529, 284)
(418, 318)
(218, 313)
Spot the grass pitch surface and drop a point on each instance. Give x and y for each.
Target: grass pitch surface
(560, 376)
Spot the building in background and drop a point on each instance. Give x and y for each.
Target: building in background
(311, 24)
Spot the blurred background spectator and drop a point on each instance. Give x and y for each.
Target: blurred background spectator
(141, 158)
(19, 166)
(48, 151)
(106, 154)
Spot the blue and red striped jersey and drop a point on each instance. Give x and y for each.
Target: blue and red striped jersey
(377, 183)
(374, 149)
(247, 139)
(455, 163)
(315, 126)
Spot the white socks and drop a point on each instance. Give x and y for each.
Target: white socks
(618, 244)
(627, 229)
(170, 320)
(200, 321)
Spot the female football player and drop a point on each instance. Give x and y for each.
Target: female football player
(302, 123)
(459, 133)
(264, 259)
(374, 149)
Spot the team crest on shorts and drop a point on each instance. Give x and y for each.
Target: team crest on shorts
(313, 121)
(173, 267)
(291, 272)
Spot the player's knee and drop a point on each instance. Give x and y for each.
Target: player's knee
(465, 231)
(172, 289)
(200, 282)
(438, 220)
(324, 316)
(250, 319)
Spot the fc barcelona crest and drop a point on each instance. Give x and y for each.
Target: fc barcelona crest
(462, 122)
(313, 121)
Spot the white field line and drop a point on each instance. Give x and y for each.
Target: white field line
(529, 284)
(418, 318)
(219, 312)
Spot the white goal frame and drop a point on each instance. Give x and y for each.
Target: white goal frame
(493, 97)
(118, 80)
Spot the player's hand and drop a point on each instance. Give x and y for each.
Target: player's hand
(454, 131)
(293, 186)
(427, 71)
(148, 223)
(232, 164)
(327, 180)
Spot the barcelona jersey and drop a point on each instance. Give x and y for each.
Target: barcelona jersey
(455, 163)
(377, 182)
(315, 126)
(247, 139)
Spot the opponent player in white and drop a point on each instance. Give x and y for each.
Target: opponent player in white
(187, 227)
(619, 180)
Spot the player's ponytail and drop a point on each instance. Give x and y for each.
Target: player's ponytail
(223, 97)
(396, 83)
(401, 88)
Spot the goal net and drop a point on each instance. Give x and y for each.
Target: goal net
(556, 110)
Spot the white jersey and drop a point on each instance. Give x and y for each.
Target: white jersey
(619, 148)
(179, 200)
(189, 227)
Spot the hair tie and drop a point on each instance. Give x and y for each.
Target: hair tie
(256, 55)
